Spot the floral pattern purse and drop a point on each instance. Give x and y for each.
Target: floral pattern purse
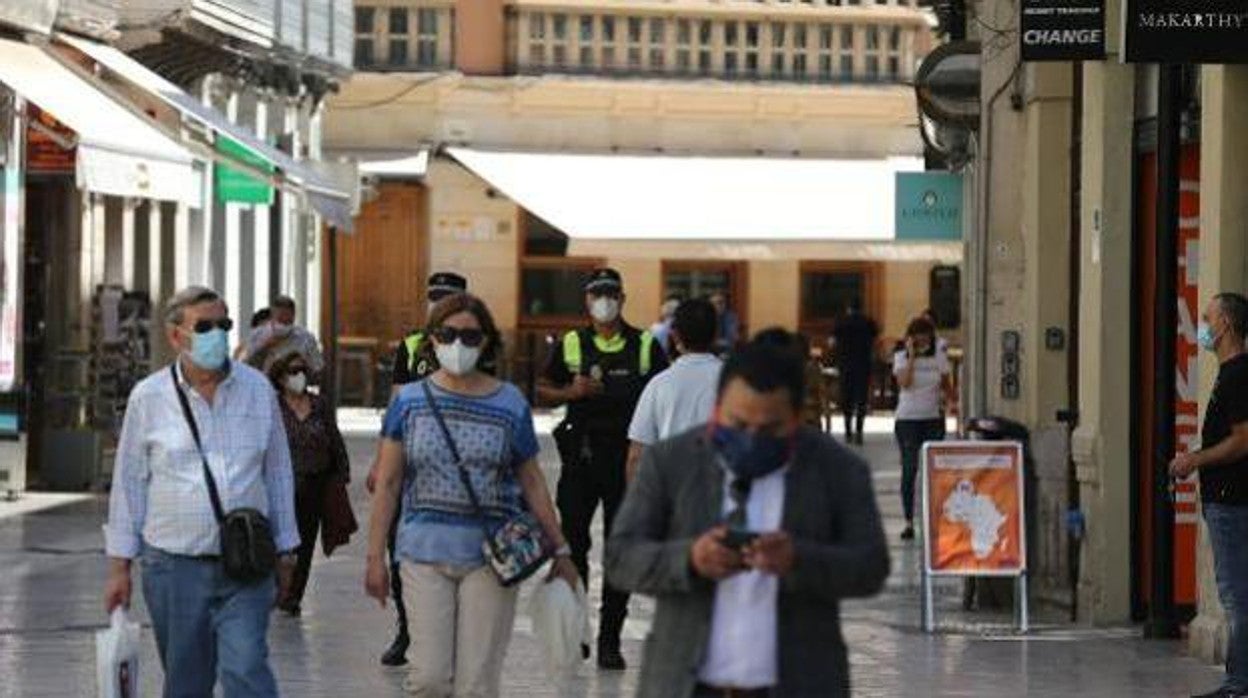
(516, 549)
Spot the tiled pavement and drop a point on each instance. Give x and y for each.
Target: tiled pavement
(52, 566)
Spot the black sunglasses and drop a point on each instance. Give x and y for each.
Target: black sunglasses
(205, 326)
(471, 337)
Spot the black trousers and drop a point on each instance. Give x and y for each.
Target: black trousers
(396, 581)
(855, 397)
(310, 517)
(584, 483)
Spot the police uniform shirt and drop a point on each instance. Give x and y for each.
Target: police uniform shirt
(619, 399)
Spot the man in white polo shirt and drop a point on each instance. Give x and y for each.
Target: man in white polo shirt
(682, 397)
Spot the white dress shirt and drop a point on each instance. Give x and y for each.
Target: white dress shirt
(743, 648)
(159, 495)
(678, 399)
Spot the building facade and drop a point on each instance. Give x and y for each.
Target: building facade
(151, 144)
(1067, 186)
(740, 147)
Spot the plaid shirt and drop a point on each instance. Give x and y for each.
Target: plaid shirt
(159, 496)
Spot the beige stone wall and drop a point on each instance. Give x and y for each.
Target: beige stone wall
(774, 294)
(396, 111)
(475, 235)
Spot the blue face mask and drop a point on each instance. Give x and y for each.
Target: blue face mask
(750, 456)
(210, 350)
(1206, 338)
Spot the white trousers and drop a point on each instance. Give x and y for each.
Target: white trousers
(461, 621)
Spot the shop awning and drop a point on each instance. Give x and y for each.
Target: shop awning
(117, 152)
(665, 197)
(392, 165)
(326, 196)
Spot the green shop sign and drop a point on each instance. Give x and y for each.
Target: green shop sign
(234, 186)
(928, 206)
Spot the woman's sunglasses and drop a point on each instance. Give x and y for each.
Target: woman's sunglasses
(471, 337)
(205, 326)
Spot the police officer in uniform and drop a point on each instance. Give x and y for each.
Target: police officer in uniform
(409, 367)
(599, 372)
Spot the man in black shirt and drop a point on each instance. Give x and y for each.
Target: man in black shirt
(853, 346)
(1222, 463)
(599, 372)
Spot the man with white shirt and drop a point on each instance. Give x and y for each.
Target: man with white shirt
(682, 396)
(749, 533)
(208, 627)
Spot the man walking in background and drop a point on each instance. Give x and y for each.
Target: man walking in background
(1222, 463)
(683, 396)
(853, 349)
(599, 372)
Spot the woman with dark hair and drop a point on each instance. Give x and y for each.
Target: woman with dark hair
(317, 453)
(925, 389)
(461, 614)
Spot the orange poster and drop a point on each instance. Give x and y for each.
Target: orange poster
(973, 506)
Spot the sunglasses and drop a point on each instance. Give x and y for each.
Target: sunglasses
(205, 326)
(471, 337)
(296, 370)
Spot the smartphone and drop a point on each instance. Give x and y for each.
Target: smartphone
(737, 538)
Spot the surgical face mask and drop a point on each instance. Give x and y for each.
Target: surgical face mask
(456, 358)
(750, 455)
(210, 350)
(604, 309)
(296, 383)
(1206, 338)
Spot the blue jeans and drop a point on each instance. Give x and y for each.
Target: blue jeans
(911, 435)
(1228, 535)
(208, 626)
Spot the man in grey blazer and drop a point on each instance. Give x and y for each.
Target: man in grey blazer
(749, 532)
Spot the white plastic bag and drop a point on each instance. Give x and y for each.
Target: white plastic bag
(117, 657)
(560, 616)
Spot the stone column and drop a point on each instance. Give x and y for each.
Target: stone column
(1102, 444)
(1223, 244)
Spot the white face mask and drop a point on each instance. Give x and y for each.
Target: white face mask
(604, 309)
(297, 383)
(457, 359)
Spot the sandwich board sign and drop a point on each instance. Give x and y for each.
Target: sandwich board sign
(973, 518)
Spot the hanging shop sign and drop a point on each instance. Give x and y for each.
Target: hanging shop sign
(928, 206)
(1186, 31)
(46, 139)
(1062, 30)
(233, 185)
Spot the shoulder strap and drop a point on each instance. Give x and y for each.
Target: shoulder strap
(213, 494)
(459, 463)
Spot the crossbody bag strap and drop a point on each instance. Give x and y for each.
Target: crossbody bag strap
(459, 463)
(213, 494)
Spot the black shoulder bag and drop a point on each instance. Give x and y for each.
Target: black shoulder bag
(248, 552)
(516, 549)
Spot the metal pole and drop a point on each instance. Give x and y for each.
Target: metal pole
(331, 345)
(1161, 621)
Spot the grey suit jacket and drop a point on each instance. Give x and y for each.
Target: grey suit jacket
(829, 510)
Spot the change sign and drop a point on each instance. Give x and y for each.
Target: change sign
(1186, 31)
(1062, 30)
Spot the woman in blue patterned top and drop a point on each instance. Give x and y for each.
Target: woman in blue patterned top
(461, 616)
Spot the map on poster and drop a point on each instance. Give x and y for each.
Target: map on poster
(973, 505)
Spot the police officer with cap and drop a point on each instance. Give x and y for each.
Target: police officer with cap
(599, 372)
(409, 367)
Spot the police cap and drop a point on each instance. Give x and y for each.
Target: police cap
(604, 279)
(444, 283)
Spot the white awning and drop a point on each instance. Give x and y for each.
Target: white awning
(326, 196)
(398, 164)
(117, 152)
(664, 197)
